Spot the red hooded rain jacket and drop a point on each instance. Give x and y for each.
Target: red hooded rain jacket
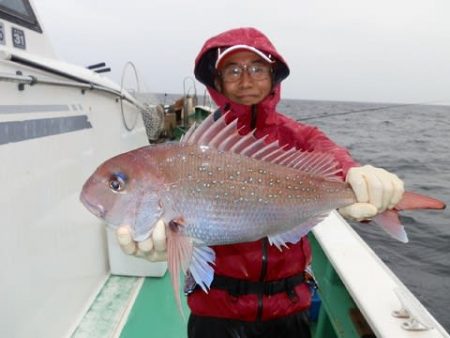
(259, 261)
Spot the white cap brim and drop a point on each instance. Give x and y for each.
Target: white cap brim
(222, 54)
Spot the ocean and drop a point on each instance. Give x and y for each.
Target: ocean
(412, 141)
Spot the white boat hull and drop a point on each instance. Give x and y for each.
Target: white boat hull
(53, 251)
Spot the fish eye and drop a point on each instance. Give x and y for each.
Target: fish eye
(117, 182)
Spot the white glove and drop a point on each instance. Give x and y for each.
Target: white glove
(153, 248)
(375, 189)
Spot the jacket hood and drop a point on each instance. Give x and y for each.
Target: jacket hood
(205, 71)
(205, 62)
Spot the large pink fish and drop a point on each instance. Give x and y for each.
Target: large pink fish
(218, 187)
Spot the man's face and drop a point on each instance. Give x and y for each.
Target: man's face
(245, 78)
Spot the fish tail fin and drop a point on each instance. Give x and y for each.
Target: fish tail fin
(412, 200)
(389, 220)
(179, 254)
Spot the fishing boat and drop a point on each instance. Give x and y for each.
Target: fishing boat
(57, 121)
(63, 275)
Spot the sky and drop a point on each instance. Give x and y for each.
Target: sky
(348, 50)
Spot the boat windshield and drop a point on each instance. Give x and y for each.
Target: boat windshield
(19, 12)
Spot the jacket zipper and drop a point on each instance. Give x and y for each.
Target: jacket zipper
(262, 277)
(254, 113)
(265, 241)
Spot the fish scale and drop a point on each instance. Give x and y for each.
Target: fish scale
(215, 190)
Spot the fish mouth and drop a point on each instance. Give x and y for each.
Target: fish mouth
(95, 209)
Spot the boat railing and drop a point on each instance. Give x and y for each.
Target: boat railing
(31, 80)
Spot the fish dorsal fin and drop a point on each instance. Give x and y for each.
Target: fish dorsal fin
(188, 134)
(219, 135)
(204, 132)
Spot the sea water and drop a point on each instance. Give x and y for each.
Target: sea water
(412, 141)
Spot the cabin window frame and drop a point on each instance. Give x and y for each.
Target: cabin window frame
(26, 19)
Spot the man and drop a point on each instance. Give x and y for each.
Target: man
(258, 290)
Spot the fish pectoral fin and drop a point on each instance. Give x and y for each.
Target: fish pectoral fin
(294, 235)
(179, 253)
(200, 266)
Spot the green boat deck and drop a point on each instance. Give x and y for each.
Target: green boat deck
(152, 311)
(155, 313)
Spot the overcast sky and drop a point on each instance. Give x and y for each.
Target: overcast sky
(348, 50)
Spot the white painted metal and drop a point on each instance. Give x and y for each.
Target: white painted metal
(36, 43)
(370, 282)
(416, 318)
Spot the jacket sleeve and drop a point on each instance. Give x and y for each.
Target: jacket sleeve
(307, 137)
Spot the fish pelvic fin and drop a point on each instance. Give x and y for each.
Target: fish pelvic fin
(218, 134)
(182, 256)
(179, 254)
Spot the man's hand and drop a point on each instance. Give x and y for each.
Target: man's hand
(376, 190)
(153, 248)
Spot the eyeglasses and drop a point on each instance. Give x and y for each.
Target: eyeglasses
(257, 71)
